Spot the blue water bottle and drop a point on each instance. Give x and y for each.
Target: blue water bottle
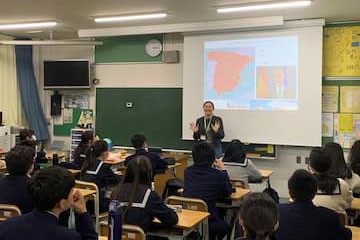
(115, 221)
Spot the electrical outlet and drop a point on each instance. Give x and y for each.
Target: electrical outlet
(298, 159)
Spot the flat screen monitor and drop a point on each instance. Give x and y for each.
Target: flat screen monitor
(66, 74)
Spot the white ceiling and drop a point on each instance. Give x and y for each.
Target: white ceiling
(78, 14)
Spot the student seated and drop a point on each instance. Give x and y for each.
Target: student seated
(140, 204)
(301, 219)
(259, 217)
(87, 139)
(139, 143)
(51, 191)
(339, 168)
(27, 138)
(333, 193)
(237, 165)
(354, 161)
(13, 187)
(210, 184)
(95, 170)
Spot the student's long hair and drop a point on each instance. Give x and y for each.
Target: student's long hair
(235, 152)
(138, 174)
(84, 145)
(354, 157)
(259, 215)
(321, 163)
(92, 154)
(338, 165)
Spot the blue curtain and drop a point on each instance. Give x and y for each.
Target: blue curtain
(29, 92)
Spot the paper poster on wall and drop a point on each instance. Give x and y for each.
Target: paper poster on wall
(345, 123)
(344, 139)
(330, 98)
(86, 118)
(327, 124)
(350, 99)
(59, 120)
(68, 115)
(76, 101)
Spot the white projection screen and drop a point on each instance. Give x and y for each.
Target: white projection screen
(266, 85)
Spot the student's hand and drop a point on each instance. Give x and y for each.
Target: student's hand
(78, 202)
(216, 126)
(194, 127)
(219, 164)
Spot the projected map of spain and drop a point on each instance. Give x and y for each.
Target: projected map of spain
(227, 70)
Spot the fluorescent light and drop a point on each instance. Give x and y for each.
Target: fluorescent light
(27, 25)
(130, 17)
(264, 6)
(49, 42)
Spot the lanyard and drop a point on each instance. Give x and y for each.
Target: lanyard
(207, 126)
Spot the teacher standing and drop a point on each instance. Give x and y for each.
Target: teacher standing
(209, 128)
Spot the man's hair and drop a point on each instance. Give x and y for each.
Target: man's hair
(24, 133)
(49, 186)
(138, 140)
(203, 154)
(19, 160)
(302, 185)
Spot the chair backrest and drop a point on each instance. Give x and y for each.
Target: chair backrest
(132, 232)
(342, 218)
(8, 211)
(195, 204)
(238, 183)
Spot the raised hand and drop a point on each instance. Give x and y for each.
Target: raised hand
(194, 127)
(219, 164)
(78, 202)
(216, 126)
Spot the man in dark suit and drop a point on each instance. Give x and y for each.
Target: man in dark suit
(51, 191)
(302, 219)
(13, 187)
(210, 184)
(139, 143)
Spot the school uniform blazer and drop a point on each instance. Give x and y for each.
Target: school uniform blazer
(209, 184)
(158, 165)
(13, 190)
(147, 205)
(215, 136)
(304, 220)
(45, 226)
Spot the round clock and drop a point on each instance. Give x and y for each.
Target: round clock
(153, 48)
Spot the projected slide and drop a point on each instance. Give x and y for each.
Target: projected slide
(252, 74)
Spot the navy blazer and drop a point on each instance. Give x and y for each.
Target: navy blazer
(304, 220)
(158, 165)
(13, 190)
(44, 226)
(209, 184)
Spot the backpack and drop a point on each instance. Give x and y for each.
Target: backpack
(271, 192)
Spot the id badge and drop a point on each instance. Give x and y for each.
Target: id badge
(203, 137)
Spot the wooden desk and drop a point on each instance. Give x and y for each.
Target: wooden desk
(355, 204)
(266, 173)
(355, 232)
(103, 238)
(74, 171)
(239, 194)
(85, 192)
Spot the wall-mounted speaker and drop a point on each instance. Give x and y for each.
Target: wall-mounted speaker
(171, 56)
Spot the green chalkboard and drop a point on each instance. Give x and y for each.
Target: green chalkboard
(155, 112)
(125, 49)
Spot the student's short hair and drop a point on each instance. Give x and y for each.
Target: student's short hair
(259, 214)
(19, 160)
(203, 154)
(302, 185)
(86, 137)
(49, 186)
(210, 102)
(24, 133)
(138, 140)
(319, 160)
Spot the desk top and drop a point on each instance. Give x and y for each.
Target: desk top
(74, 171)
(355, 232)
(114, 158)
(239, 193)
(355, 204)
(103, 238)
(85, 192)
(266, 173)
(189, 218)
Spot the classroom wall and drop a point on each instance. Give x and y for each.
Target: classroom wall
(157, 75)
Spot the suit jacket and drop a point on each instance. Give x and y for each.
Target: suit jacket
(209, 184)
(45, 226)
(304, 220)
(13, 190)
(213, 137)
(158, 165)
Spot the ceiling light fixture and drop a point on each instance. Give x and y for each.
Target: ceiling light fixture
(27, 25)
(264, 6)
(50, 42)
(130, 17)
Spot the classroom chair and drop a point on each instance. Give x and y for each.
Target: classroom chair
(129, 232)
(95, 197)
(7, 211)
(237, 183)
(342, 218)
(194, 204)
